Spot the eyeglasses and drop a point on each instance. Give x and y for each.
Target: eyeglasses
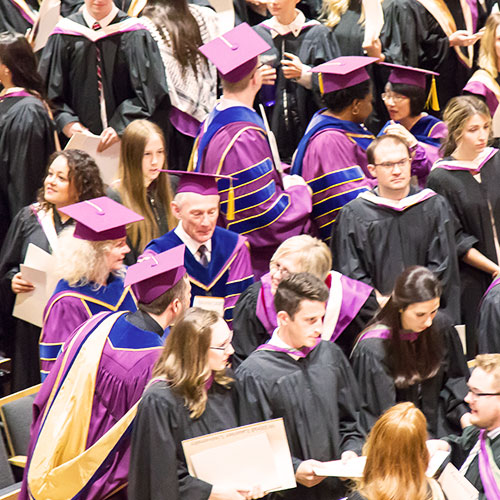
(481, 394)
(221, 347)
(276, 267)
(391, 164)
(396, 98)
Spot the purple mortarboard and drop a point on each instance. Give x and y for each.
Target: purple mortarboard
(156, 273)
(343, 72)
(100, 219)
(235, 53)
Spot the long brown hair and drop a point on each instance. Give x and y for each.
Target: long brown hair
(411, 362)
(487, 54)
(132, 190)
(397, 456)
(182, 28)
(184, 360)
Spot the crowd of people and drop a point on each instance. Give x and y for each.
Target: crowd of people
(305, 209)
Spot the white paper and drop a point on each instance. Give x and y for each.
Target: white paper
(436, 461)
(461, 334)
(48, 17)
(108, 161)
(374, 20)
(225, 14)
(252, 455)
(210, 304)
(455, 486)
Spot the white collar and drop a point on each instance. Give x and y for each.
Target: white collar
(277, 341)
(190, 243)
(494, 433)
(105, 21)
(225, 103)
(295, 27)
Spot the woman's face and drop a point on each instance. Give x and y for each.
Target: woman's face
(220, 346)
(116, 254)
(57, 188)
(497, 43)
(398, 105)
(474, 137)
(281, 268)
(419, 316)
(153, 159)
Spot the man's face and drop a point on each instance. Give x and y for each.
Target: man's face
(306, 326)
(392, 166)
(485, 410)
(198, 214)
(99, 9)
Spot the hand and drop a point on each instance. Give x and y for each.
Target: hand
(305, 474)
(268, 74)
(403, 133)
(292, 67)
(348, 455)
(70, 129)
(374, 49)
(495, 273)
(463, 38)
(19, 285)
(108, 138)
(465, 420)
(225, 493)
(434, 445)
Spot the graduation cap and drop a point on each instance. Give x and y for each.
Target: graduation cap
(100, 219)
(155, 274)
(343, 72)
(235, 53)
(415, 76)
(206, 185)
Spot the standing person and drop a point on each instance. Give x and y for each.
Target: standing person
(297, 44)
(72, 176)
(192, 393)
(309, 383)
(180, 28)
(26, 128)
(351, 304)
(407, 354)
(102, 70)
(467, 178)
(233, 142)
(17, 16)
(142, 186)
(80, 435)
(477, 451)
(397, 458)
(90, 264)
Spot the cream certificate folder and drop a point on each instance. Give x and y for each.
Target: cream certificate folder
(244, 457)
(455, 486)
(48, 17)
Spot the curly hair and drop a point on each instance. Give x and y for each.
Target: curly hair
(83, 174)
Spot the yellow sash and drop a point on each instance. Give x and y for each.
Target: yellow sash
(26, 9)
(136, 7)
(439, 10)
(61, 466)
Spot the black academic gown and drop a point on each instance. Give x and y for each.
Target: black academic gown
(441, 398)
(374, 244)
(460, 449)
(11, 18)
(469, 201)
(318, 398)
(295, 105)
(158, 467)
(26, 142)
(21, 338)
(488, 331)
(132, 74)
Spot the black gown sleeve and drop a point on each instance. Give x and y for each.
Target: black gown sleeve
(488, 321)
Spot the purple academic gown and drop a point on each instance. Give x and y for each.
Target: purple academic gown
(69, 307)
(266, 213)
(124, 369)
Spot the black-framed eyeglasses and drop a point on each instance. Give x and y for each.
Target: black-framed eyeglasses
(221, 347)
(392, 164)
(481, 394)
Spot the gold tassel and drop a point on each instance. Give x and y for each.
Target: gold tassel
(230, 201)
(432, 99)
(320, 81)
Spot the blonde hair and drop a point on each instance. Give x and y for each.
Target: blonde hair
(314, 255)
(490, 363)
(131, 188)
(397, 456)
(457, 113)
(487, 53)
(184, 360)
(81, 262)
(333, 10)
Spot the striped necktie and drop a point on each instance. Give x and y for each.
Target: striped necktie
(96, 26)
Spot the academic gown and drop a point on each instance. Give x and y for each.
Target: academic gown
(229, 271)
(488, 335)
(471, 201)
(319, 400)
(158, 465)
(460, 448)
(374, 241)
(21, 338)
(26, 142)
(71, 306)
(133, 78)
(295, 105)
(255, 315)
(441, 398)
(17, 16)
(122, 362)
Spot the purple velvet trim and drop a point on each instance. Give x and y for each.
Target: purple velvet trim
(266, 313)
(490, 486)
(443, 164)
(62, 31)
(473, 11)
(25, 15)
(301, 353)
(424, 195)
(19, 93)
(209, 382)
(184, 123)
(384, 333)
(85, 233)
(354, 295)
(479, 88)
